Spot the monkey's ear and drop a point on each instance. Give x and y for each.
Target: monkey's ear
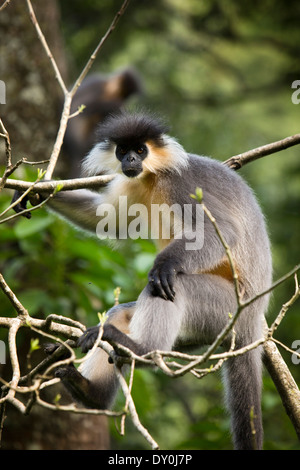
(121, 86)
(22, 205)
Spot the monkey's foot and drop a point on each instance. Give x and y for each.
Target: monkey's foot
(67, 372)
(52, 348)
(118, 357)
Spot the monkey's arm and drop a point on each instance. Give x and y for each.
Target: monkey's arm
(177, 259)
(78, 207)
(110, 333)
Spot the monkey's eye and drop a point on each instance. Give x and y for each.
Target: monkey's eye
(120, 152)
(141, 150)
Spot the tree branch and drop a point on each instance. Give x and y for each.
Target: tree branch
(236, 162)
(284, 382)
(46, 187)
(95, 182)
(133, 412)
(5, 4)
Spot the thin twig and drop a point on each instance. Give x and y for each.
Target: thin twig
(228, 253)
(60, 135)
(7, 2)
(69, 95)
(9, 167)
(46, 47)
(5, 135)
(20, 309)
(74, 409)
(99, 46)
(132, 409)
(284, 308)
(14, 357)
(127, 401)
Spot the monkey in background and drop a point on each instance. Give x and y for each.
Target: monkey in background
(190, 293)
(101, 95)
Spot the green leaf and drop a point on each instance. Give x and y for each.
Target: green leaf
(58, 188)
(57, 399)
(102, 317)
(27, 227)
(199, 194)
(34, 344)
(41, 173)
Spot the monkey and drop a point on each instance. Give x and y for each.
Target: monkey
(190, 291)
(100, 95)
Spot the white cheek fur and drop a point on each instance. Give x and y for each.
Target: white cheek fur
(101, 160)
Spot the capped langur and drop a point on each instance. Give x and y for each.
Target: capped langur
(190, 292)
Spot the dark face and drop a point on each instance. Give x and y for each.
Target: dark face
(131, 158)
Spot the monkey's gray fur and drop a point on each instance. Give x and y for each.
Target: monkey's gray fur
(190, 293)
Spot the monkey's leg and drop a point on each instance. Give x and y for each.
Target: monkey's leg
(94, 384)
(98, 389)
(242, 374)
(80, 388)
(198, 314)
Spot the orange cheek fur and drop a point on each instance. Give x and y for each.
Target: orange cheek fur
(159, 159)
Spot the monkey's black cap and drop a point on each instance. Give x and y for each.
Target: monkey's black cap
(128, 129)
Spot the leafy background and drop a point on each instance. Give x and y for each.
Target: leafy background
(221, 73)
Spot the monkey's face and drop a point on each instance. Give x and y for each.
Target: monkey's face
(131, 158)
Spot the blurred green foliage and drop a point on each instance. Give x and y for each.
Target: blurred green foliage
(221, 73)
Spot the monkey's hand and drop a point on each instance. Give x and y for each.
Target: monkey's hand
(22, 205)
(89, 337)
(87, 340)
(111, 334)
(162, 278)
(34, 199)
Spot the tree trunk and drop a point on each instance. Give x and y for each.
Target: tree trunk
(31, 116)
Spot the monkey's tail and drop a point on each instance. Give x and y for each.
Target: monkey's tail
(243, 398)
